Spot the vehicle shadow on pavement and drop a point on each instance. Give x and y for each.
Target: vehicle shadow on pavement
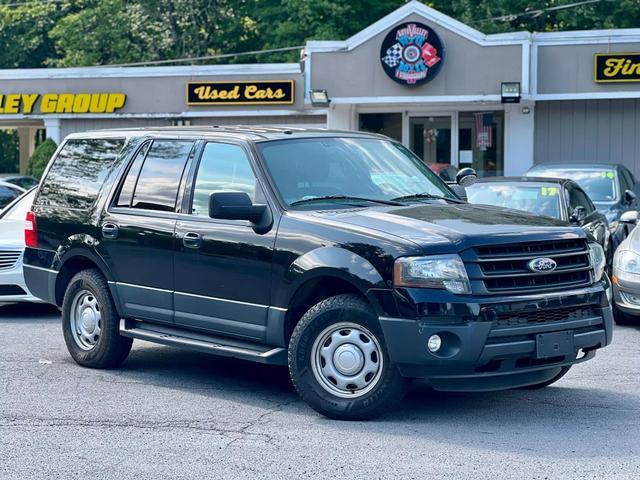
(548, 416)
(37, 312)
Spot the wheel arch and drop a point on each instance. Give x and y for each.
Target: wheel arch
(74, 261)
(323, 273)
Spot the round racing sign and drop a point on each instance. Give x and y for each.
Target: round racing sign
(411, 54)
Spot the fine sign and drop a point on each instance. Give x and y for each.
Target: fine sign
(411, 54)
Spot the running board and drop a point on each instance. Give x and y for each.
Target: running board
(203, 342)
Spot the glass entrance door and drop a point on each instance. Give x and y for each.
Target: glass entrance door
(430, 138)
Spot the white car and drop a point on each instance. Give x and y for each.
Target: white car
(12, 222)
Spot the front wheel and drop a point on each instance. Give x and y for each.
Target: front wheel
(622, 318)
(338, 361)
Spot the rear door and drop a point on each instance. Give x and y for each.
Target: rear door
(138, 229)
(222, 267)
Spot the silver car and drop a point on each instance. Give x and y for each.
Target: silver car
(12, 223)
(626, 275)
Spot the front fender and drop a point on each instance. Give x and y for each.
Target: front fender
(330, 262)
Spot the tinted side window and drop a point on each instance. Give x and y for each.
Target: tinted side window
(126, 192)
(78, 172)
(223, 168)
(627, 180)
(578, 198)
(159, 179)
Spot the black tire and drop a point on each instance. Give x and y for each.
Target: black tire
(538, 386)
(622, 318)
(110, 349)
(388, 389)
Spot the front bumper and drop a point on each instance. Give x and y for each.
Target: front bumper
(628, 288)
(491, 343)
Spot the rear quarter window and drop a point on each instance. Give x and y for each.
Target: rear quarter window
(78, 173)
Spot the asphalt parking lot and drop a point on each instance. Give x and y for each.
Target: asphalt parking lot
(175, 414)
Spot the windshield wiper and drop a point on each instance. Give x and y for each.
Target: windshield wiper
(344, 197)
(428, 196)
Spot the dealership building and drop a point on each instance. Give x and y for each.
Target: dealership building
(498, 103)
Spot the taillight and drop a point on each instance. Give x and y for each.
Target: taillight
(31, 231)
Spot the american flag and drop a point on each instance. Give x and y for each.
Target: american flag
(484, 130)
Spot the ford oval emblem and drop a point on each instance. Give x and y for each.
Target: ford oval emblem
(542, 265)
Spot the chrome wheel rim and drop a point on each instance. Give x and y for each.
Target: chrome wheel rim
(346, 360)
(86, 319)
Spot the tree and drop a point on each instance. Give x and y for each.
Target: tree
(9, 151)
(24, 29)
(126, 31)
(40, 158)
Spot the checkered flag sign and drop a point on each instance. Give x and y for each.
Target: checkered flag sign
(393, 55)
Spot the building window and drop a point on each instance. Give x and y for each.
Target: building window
(389, 124)
(430, 139)
(481, 142)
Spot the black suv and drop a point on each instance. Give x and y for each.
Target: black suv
(338, 254)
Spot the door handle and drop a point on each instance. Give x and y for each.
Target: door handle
(192, 240)
(110, 231)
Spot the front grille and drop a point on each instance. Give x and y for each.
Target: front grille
(504, 268)
(537, 317)
(8, 259)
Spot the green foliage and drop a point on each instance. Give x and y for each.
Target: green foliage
(98, 32)
(9, 152)
(40, 158)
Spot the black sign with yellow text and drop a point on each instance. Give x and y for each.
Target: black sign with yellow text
(267, 92)
(617, 67)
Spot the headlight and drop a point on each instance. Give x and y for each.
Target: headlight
(626, 266)
(598, 261)
(438, 271)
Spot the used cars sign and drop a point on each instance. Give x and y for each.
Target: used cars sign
(266, 92)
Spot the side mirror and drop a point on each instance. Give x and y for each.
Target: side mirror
(238, 206)
(578, 214)
(631, 217)
(629, 196)
(466, 177)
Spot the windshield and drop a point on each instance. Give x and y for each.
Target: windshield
(537, 199)
(351, 167)
(599, 184)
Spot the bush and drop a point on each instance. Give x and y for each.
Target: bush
(40, 158)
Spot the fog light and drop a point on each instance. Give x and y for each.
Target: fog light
(628, 298)
(434, 343)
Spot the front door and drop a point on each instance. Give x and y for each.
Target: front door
(138, 230)
(222, 267)
(430, 139)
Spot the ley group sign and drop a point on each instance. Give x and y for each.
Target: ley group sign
(35, 103)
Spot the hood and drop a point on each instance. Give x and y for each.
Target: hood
(610, 210)
(437, 226)
(11, 234)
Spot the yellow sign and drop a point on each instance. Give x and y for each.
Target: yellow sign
(617, 67)
(265, 92)
(34, 103)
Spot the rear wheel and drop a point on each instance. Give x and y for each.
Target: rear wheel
(338, 361)
(90, 323)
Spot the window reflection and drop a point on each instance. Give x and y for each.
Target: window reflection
(223, 168)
